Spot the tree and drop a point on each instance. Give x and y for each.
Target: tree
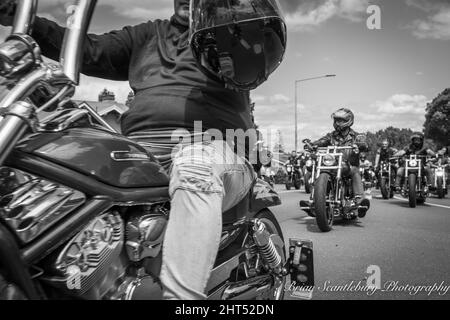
(437, 123)
(398, 138)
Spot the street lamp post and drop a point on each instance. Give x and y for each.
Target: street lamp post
(296, 107)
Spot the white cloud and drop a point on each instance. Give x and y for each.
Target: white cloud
(402, 104)
(437, 23)
(306, 18)
(399, 110)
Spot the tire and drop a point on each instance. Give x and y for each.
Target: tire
(384, 188)
(412, 197)
(324, 218)
(307, 184)
(272, 225)
(288, 183)
(440, 188)
(297, 182)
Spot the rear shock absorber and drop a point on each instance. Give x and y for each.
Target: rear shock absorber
(265, 245)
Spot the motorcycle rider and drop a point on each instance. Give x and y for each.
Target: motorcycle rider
(294, 160)
(384, 153)
(416, 147)
(344, 135)
(171, 92)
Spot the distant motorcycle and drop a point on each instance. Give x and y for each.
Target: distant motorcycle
(368, 176)
(293, 178)
(309, 172)
(439, 185)
(332, 195)
(386, 176)
(415, 186)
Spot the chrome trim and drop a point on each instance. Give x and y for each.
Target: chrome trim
(17, 119)
(80, 15)
(30, 205)
(25, 13)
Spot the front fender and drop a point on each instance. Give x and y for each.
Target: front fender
(263, 196)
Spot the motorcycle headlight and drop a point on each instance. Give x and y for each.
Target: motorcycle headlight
(289, 169)
(440, 173)
(309, 163)
(329, 160)
(413, 163)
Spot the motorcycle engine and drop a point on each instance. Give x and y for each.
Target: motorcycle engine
(108, 259)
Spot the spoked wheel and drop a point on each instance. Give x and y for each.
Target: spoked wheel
(322, 192)
(412, 196)
(273, 227)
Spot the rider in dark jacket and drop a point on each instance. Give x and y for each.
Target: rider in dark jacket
(416, 147)
(384, 154)
(343, 135)
(172, 93)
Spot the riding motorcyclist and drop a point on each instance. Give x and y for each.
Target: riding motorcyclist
(416, 147)
(294, 160)
(171, 93)
(344, 135)
(383, 154)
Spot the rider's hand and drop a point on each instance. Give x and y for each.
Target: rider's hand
(7, 11)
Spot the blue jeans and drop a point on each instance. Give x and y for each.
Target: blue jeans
(206, 179)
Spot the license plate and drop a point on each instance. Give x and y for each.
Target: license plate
(301, 268)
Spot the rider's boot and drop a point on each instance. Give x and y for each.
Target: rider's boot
(363, 205)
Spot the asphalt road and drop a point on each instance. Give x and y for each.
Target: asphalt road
(411, 247)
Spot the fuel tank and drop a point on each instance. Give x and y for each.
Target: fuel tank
(107, 157)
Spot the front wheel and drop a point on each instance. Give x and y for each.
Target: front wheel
(307, 183)
(288, 182)
(297, 182)
(323, 211)
(412, 190)
(384, 188)
(273, 227)
(440, 187)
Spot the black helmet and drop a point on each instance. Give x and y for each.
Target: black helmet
(417, 139)
(343, 119)
(239, 41)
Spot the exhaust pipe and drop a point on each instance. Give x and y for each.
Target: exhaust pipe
(249, 289)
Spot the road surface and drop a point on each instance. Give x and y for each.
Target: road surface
(411, 247)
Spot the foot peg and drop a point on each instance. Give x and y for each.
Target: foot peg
(306, 206)
(301, 268)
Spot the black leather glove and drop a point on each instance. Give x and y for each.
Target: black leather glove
(7, 11)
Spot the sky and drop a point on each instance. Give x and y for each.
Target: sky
(386, 76)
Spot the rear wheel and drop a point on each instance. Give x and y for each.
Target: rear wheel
(273, 227)
(412, 190)
(384, 188)
(324, 213)
(440, 187)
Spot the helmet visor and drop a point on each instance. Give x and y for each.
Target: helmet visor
(242, 42)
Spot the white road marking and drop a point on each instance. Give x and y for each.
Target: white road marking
(426, 203)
